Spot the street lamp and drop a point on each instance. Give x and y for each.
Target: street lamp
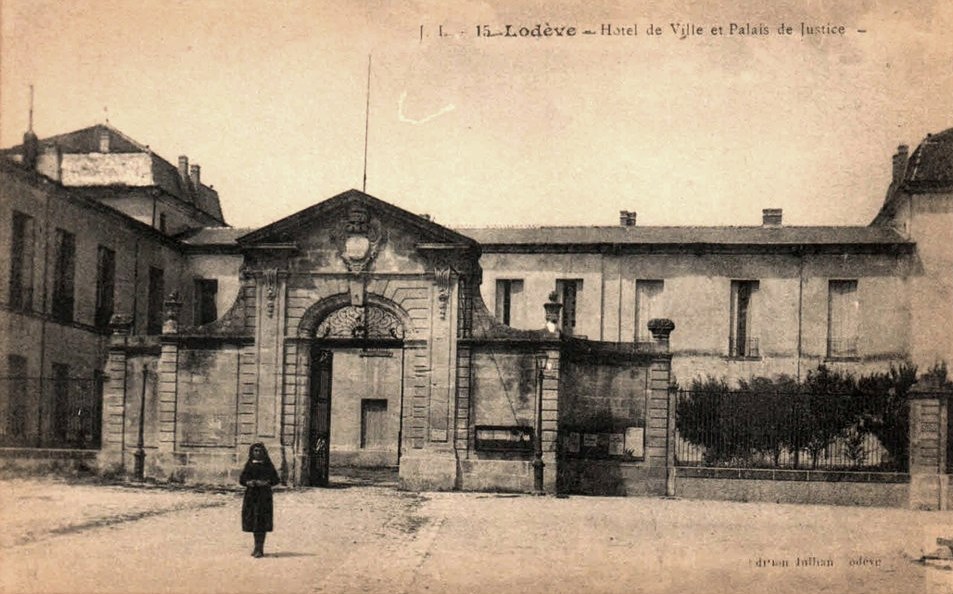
(542, 363)
(140, 455)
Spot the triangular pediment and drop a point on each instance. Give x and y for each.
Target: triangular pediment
(336, 210)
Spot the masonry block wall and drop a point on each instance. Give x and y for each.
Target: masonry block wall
(615, 424)
(499, 388)
(929, 423)
(126, 393)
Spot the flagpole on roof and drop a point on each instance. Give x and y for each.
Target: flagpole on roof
(367, 117)
(30, 127)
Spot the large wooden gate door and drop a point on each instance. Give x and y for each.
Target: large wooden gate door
(319, 438)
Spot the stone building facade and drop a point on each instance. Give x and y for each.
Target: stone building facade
(88, 220)
(356, 333)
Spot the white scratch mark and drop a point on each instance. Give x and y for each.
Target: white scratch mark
(403, 118)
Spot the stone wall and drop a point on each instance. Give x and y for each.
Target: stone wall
(614, 411)
(501, 387)
(929, 424)
(790, 486)
(208, 391)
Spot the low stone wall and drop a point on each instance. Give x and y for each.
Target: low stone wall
(15, 461)
(200, 466)
(794, 486)
(610, 477)
(496, 475)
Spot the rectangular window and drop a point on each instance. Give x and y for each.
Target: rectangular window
(105, 286)
(64, 273)
(162, 222)
(842, 317)
(743, 341)
(17, 389)
(156, 291)
(61, 403)
(205, 311)
(508, 295)
(648, 306)
(21, 262)
(373, 423)
(568, 291)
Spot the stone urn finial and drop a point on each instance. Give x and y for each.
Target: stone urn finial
(661, 328)
(120, 324)
(553, 308)
(173, 304)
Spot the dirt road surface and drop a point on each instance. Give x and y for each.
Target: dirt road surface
(62, 537)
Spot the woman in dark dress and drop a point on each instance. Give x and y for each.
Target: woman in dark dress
(258, 476)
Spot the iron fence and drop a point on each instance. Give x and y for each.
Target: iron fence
(783, 430)
(50, 412)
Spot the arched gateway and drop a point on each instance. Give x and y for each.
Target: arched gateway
(369, 335)
(356, 393)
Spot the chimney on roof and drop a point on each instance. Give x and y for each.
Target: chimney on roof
(195, 174)
(627, 218)
(104, 141)
(50, 162)
(900, 163)
(31, 144)
(771, 217)
(425, 216)
(184, 168)
(31, 149)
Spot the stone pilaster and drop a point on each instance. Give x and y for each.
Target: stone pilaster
(462, 438)
(299, 444)
(417, 387)
(248, 386)
(442, 364)
(114, 395)
(269, 341)
(929, 409)
(550, 418)
(660, 431)
(168, 395)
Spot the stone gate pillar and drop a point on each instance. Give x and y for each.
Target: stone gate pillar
(549, 418)
(929, 410)
(661, 413)
(167, 382)
(114, 395)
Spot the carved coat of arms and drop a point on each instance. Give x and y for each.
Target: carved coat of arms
(361, 239)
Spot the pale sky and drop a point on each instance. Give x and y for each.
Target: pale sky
(269, 98)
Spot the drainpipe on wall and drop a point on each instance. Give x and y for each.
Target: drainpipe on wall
(800, 308)
(135, 286)
(43, 321)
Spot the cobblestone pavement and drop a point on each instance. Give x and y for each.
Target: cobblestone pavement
(62, 537)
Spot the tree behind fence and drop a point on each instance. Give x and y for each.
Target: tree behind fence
(828, 421)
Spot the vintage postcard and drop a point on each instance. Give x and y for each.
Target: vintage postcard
(329, 296)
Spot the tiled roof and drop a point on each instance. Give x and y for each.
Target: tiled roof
(870, 235)
(214, 236)
(86, 140)
(165, 175)
(649, 236)
(931, 165)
